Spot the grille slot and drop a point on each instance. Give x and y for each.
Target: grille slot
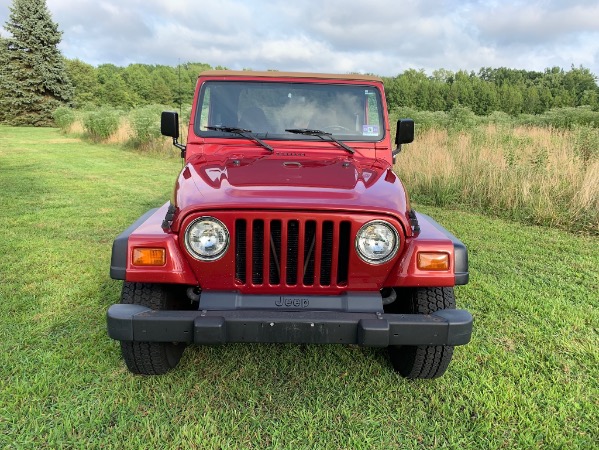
(309, 247)
(257, 253)
(279, 252)
(344, 239)
(275, 252)
(326, 263)
(240, 249)
(292, 251)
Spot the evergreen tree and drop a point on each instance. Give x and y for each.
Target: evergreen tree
(34, 81)
(3, 51)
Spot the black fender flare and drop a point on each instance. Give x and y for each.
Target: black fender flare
(118, 261)
(459, 249)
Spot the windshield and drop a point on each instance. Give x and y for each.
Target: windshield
(269, 109)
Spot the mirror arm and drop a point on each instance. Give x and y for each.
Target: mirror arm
(395, 152)
(180, 147)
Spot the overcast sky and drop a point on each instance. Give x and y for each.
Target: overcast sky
(384, 37)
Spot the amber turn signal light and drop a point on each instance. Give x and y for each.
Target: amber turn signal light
(433, 261)
(149, 257)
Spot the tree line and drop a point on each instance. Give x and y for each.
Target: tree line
(509, 90)
(132, 86)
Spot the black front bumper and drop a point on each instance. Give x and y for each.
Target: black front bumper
(373, 329)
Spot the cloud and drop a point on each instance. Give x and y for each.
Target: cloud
(381, 36)
(537, 23)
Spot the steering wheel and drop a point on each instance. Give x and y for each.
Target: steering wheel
(336, 128)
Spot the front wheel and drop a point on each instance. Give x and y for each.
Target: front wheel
(150, 358)
(424, 361)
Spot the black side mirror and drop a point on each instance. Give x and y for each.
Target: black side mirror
(404, 134)
(405, 131)
(169, 124)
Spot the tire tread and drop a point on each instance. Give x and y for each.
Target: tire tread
(149, 358)
(425, 361)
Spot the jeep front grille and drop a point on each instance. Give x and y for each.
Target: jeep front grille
(292, 252)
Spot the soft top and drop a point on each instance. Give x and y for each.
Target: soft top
(275, 74)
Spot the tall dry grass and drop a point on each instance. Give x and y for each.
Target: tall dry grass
(125, 136)
(536, 175)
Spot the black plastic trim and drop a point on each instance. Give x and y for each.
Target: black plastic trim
(414, 221)
(168, 218)
(346, 302)
(118, 261)
(459, 249)
(444, 327)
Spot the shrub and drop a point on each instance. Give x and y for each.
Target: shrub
(563, 118)
(424, 120)
(64, 117)
(531, 120)
(145, 124)
(571, 117)
(586, 142)
(186, 114)
(102, 123)
(461, 118)
(499, 118)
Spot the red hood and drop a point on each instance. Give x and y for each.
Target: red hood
(289, 181)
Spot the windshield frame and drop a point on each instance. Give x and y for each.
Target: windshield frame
(353, 136)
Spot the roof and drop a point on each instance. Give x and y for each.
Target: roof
(276, 74)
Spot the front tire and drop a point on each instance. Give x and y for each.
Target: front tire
(150, 358)
(424, 361)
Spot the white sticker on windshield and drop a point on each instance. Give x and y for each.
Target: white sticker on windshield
(370, 130)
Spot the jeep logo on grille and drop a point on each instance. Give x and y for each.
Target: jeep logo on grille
(292, 302)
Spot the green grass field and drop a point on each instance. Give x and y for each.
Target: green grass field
(529, 378)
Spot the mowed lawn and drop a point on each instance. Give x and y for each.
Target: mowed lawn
(529, 378)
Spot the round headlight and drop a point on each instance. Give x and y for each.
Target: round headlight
(207, 238)
(377, 242)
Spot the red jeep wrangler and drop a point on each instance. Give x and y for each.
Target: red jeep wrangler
(287, 224)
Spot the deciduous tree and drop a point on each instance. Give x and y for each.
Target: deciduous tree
(85, 82)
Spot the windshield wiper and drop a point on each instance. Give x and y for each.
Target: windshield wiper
(322, 135)
(240, 131)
